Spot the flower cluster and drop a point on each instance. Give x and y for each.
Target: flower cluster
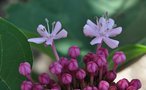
(95, 75)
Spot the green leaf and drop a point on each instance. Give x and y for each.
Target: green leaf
(14, 49)
(131, 52)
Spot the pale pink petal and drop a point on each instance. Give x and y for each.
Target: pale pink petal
(110, 42)
(42, 31)
(102, 21)
(102, 24)
(49, 41)
(91, 24)
(37, 40)
(114, 32)
(61, 34)
(57, 28)
(88, 31)
(96, 41)
(110, 23)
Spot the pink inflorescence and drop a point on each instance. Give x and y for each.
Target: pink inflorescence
(95, 75)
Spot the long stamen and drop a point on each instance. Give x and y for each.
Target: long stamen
(47, 21)
(53, 25)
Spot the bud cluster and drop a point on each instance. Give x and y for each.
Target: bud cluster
(94, 76)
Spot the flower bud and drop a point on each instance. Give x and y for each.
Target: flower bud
(119, 57)
(37, 86)
(101, 61)
(111, 76)
(73, 65)
(55, 68)
(136, 83)
(63, 61)
(26, 85)
(94, 88)
(44, 78)
(122, 84)
(25, 69)
(55, 87)
(66, 78)
(103, 52)
(131, 88)
(87, 88)
(89, 57)
(80, 74)
(103, 85)
(113, 88)
(92, 67)
(74, 51)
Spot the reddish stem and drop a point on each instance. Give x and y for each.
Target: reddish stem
(82, 84)
(55, 51)
(91, 79)
(100, 74)
(68, 87)
(29, 78)
(115, 67)
(98, 46)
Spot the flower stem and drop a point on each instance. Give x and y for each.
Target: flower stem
(29, 78)
(98, 47)
(68, 87)
(91, 79)
(115, 67)
(55, 51)
(100, 74)
(82, 84)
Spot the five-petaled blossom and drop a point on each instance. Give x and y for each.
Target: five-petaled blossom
(46, 36)
(102, 31)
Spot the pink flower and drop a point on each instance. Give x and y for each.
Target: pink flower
(92, 67)
(44, 78)
(80, 74)
(26, 85)
(119, 57)
(74, 51)
(46, 36)
(136, 83)
(25, 69)
(66, 78)
(102, 31)
(55, 68)
(122, 84)
(37, 86)
(73, 65)
(103, 85)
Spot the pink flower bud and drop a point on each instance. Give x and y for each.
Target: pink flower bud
(92, 67)
(113, 88)
(87, 88)
(94, 88)
(55, 68)
(66, 78)
(103, 85)
(63, 61)
(111, 76)
(131, 88)
(80, 74)
(119, 57)
(55, 87)
(37, 86)
(73, 65)
(25, 69)
(89, 57)
(103, 52)
(26, 85)
(122, 84)
(44, 78)
(101, 61)
(136, 83)
(74, 51)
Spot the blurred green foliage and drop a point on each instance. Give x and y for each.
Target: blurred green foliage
(130, 14)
